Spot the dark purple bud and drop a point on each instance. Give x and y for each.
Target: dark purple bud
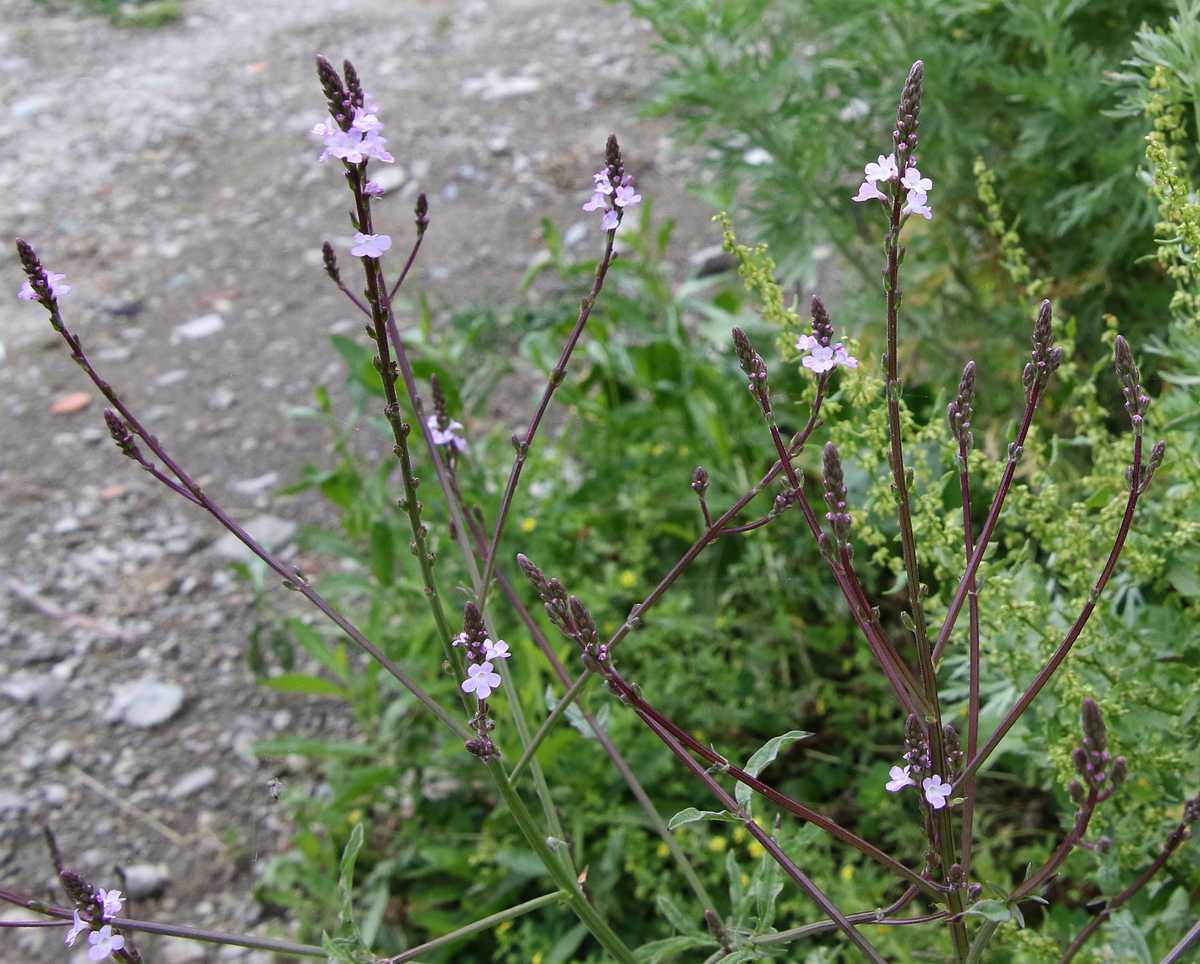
(835, 494)
(1095, 737)
(354, 91)
(822, 327)
(422, 213)
(78, 889)
(905, 134)
(329, 257)
(1119, 771)
(960, 411)
(700, 481)
(754, 367)
(613, 161)
(585, 626)
(1076, 792)
(1104, 845)
(335, 93)
(1079, 758)
(1137, 402)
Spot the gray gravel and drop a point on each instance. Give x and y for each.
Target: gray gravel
(171, 176)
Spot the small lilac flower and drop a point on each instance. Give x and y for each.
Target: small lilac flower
(867, 190)
(445, 436)
(496, 650)
(882, 170)
(372, 189)
(112, 901)
(936, 792)
(914, 182)
(482, 680)
(899, 779)
(917, 203)
(459, 640)
(104, 943)
(626, 195)
(370, 245)
(77, 928)
(57, 289)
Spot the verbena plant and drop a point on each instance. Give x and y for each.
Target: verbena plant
(922, 870)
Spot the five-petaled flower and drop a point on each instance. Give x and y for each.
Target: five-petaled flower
(900, 779)
(916, 187)
(936, 792)
(370, 245)
(104, 943)
(445, 436)
(823, 358)
(481, 680)
(496, 650)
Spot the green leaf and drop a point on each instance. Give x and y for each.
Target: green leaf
(994, 910)
(762, 756)
(677, 918)
(664, 950)
(346, 873)
(304, 683)
(691, 815)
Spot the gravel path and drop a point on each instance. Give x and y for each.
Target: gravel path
(171, 176)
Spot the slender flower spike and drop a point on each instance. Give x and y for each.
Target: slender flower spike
(612, 188)
(481, 681)
(370, 245)
(900, 779)
(936, 792)
(104, 943)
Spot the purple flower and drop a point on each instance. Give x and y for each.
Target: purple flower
(445, 436)
(112, 901)
(481, 681)
(77, 928)
(56, 287)
(917, 203)
(370, 245)
(936, 792)
(900, 779)
(824, 358)
(623, 195)
(496, 650)
(373, 189)
(104, 943)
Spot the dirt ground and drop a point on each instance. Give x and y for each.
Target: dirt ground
(170, 175)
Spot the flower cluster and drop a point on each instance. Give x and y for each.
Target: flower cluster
(936, 793)
(482, 678)
(53, 281)
(360, 141)
(916, 187)
(824, 358)
(105, 942)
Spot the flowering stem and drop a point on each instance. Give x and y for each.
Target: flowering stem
(1178, 836)
(976, 760)
(522, 445)
(944, 838)
(293, 579)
